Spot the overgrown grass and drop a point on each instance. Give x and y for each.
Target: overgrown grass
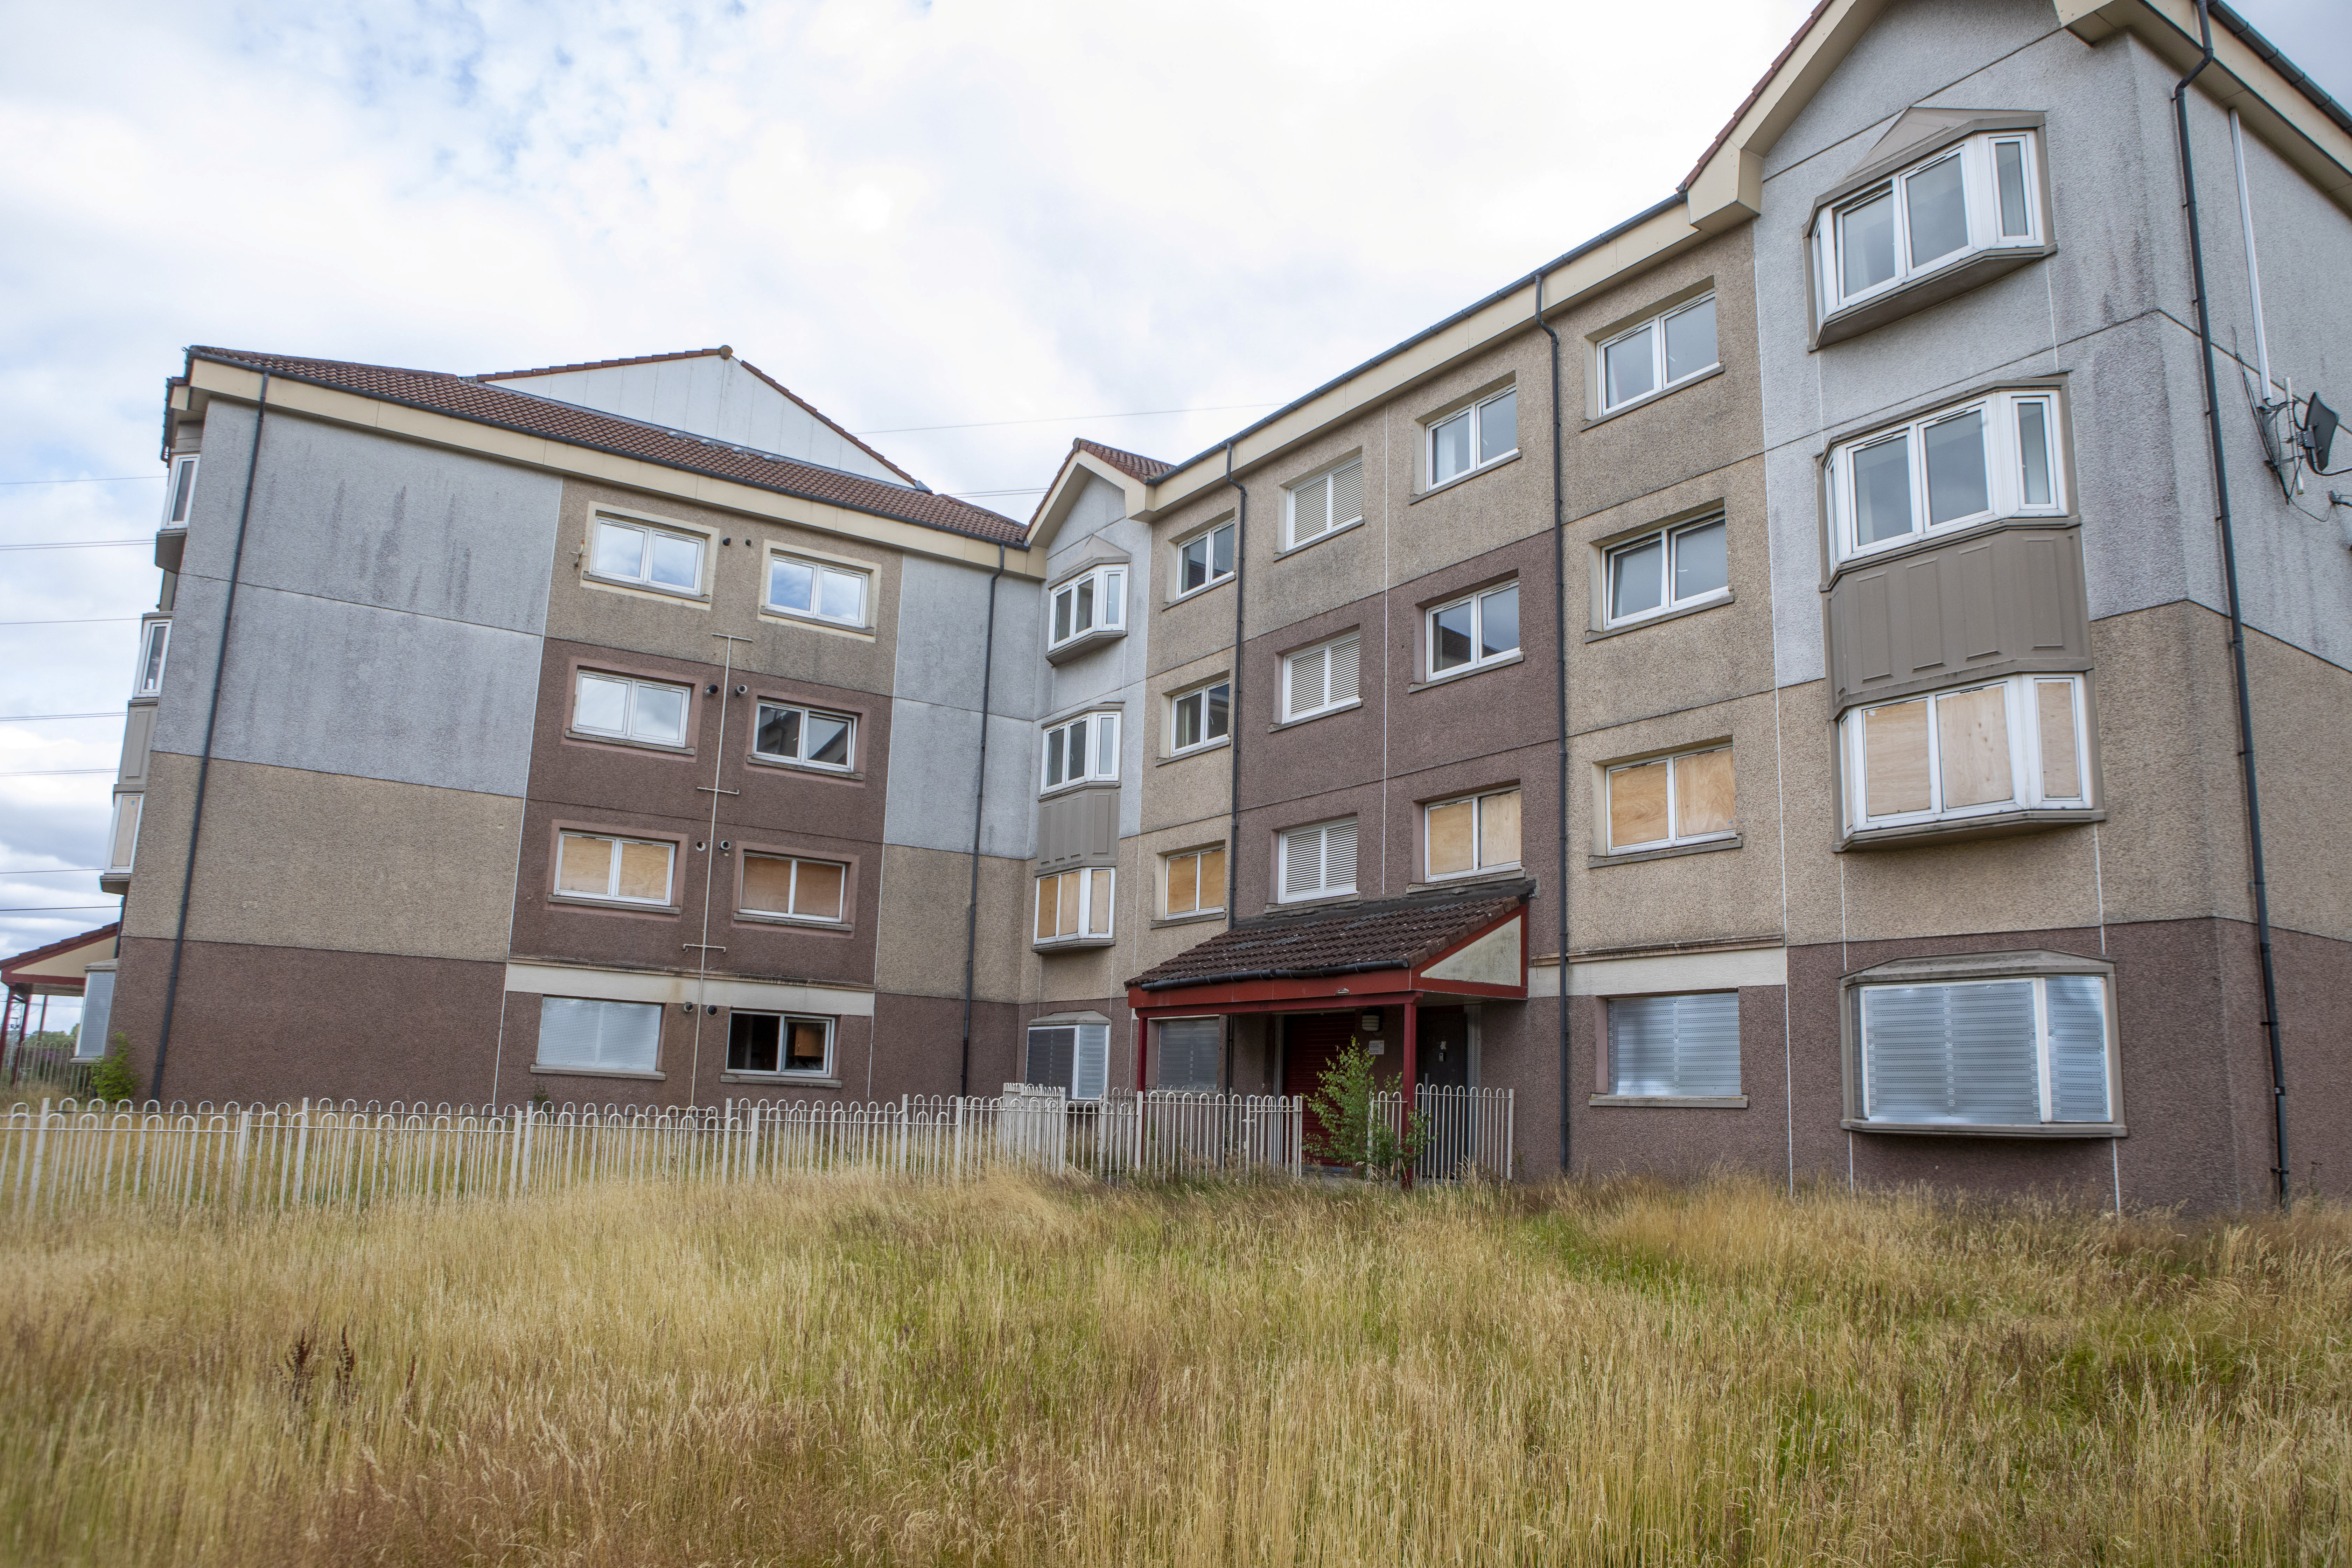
(844, 1371)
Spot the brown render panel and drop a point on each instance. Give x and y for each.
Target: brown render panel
(1979, 607)
(1078, 828)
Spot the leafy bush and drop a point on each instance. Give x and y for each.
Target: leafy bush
(1351, 1132)
(112, 1079)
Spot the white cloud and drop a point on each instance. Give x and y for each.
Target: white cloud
(911, 215)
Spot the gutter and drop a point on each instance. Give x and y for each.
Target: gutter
(204, 758)
(2280, 1172)
(979, 817)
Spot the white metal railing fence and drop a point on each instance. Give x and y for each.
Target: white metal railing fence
(68, 1155)
(1469, 1131)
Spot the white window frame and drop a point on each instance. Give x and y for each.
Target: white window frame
(784, 1021)
(2042, 1045)
(629, 709)
(793, 895)
(1177, 748)
(650, 1067)
(758, 721)
(1200, 906)
(1095, 902)
(1208, 536)
(1477, 803)
(1656, 326)
(1476, 413)
(2005, 480)
(151, 635)
(1675, 839)
(1667, 603)
(179, 492)
(1089, 1055)
(1479, 658)
(1981, 195)
(612, 894)
(2021, 708)
(1283, 893)
(645, 579)
(1323, 649)
(1330, 475)
(1619, 1086)
(1109, 584)
(125, 806)
(1093, 773)
(822, 568)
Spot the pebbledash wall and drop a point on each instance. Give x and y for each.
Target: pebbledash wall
(375, 909)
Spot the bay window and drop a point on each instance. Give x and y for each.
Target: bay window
(1071, 1056)
(1075, 907)
(181, 493)
(1979, 196)
(2022, 1051)
(1083, 750)
(155, 638)
(2014, 744)
(1995, 457)
(1095, 601)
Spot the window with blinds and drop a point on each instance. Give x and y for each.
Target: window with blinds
(599, 1036)
(1987, 1053)
(626, 870)
(1318, 862)
(1071, 1056)
(1674, 1047)
(1191, 1054)
(1324, 504)
(1319, 679)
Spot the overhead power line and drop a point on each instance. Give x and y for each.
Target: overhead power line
(1063, 418)
(29, 717)
(80, 543)
(99, 479)
(52, 773)
(80, 621)
(56, 871)
(53, 909)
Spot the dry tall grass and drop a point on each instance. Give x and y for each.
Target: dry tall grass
(841, 1371)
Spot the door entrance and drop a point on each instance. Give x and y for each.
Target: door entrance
(1310, 1041)
(1441, 1048)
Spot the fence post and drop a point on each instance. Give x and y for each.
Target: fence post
(301, 1146)
(40, 1142)
(244, 1136)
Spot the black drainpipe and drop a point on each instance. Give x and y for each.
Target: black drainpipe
(2237, 619)
(1234, 701)
(979, 817)
(1559, 683)
(204, 758)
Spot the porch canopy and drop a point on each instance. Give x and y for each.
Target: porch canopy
(60, 969)
(1455, 942)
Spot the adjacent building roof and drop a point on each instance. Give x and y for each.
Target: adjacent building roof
(1391, 934)
(464, 397)
(1132, 463)
(57, 969)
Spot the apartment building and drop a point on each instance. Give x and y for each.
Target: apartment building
(1759, 689)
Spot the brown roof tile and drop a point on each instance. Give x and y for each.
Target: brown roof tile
(1134, 465)
(462, 397)
(1395, 933)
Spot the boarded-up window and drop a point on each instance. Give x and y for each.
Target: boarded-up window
(1191, 1054)
(1674, 1047)
(788, 885)
(2062, 761)
(1998, 1053)
(1075, 906)
(1196, 881)
(1972, 733)
(1477, 833)
(125, 838)
(1319, 861)
(1999, 746)
(1676, 800)
(1326, 502)
(1895, 759)
(633, 870)
(1320, 678)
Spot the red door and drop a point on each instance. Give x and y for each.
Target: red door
(1309, 1042)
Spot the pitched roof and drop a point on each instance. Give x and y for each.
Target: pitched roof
(1134, 465)
(464, 397)
(17, 963)
(722, 351)
(1394, 933)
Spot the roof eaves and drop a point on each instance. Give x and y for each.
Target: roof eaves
(63, 944)
(2268, 53)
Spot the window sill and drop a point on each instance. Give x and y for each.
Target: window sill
(1084, 644)
(1068, 943)
(804, 922)
(652, 590)
(815, 770)
(599, 1072)
(1687, 1102)
(2000, 825)
(1319, 713)
(1192, 920)
(812, 624)
(117, 882)
(1713, 602)
(624, 906)
(1189, 753)
(1647, 398)
(662, 747)
(797, 1081)
(1957, 1129)
(1451, 676)
(1287, 550)
(1925, 289)
(147, 699)
(1665, 852)
(1488, 467)
(1190, 595)
(1325, 901)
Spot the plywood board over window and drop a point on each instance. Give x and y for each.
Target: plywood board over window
(1686, 799)
(1968, 753)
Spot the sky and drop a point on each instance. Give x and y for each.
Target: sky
(972, 230)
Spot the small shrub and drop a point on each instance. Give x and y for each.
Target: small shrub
(112, 1079)
(1351, 1133)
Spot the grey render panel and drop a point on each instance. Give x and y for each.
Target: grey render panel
(1080, 828)
(1976, 607)
(347, 514)
(138, 742)
(331, 687)
(1792, 523)
(1099, 504)
(943, 609)
(934, 761)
